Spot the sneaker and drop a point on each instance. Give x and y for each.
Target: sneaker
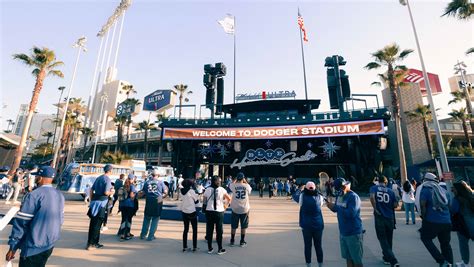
(105, 228)
(195, 249)
(407, 223)
(210, 251)
(90, 247)
(232, 243)
(386, 262)
(128, 238)
(185, 249)
(460, 264)
(98, 245)
(243, 244)
(142, 237)
(221, 251)
(445, 264)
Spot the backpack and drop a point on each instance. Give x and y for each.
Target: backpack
(122, 194)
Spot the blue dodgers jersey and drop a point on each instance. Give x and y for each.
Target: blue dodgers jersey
(154, 189)
(348, 214)
(384, 200)
(432, 215)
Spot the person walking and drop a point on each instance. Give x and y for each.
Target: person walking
(127, 207)
(179, 186)
(99, 195)
(347, 206)
(275, 188)
(240, 206)
(408, 199)
(288, 189)
(433, 202)
(4, 181)
(384, 202)
(37, 226)
(17, 181)
(155, 191)
(311, 221)
(214, 198)
(270, 189)
(171, 188)
(188, 210)
(463, 219)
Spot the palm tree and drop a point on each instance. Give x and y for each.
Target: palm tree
(130, 102)
(183, 93)
(128, 89)
(462, 9)
(423, 112)
(120, 121)
(459, 96)
(87, 132)
(44, 63)
(463, 117)
(389, 56)
(48, 136)
(146, 126)
(470, 51)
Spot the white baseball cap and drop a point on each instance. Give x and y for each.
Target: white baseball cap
(310, 186)
(430, 177)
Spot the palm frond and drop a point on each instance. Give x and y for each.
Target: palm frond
(470, 51)
(35, 72)
(24, 58)
(57, 73)
(372, 65)
(462, 9)
(405, 53)
(55, 64)
(379, 84)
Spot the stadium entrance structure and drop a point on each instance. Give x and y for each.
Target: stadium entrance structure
(278, 138)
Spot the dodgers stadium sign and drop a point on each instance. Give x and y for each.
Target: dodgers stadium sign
(278, 156)
(277, 132)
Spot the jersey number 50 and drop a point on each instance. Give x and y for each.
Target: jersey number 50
(383, 197)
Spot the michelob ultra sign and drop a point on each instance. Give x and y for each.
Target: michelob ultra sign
(352, 128)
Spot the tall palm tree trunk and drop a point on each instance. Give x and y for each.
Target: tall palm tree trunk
(145, 156)
(24, 135)
(128, 137)
(428, 137)
(466, 134)
(180, 103)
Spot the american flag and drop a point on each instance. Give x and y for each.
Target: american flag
(302, 28)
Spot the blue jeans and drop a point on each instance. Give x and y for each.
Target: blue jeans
(149, 229)
(409, 207)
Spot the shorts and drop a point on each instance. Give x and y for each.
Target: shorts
(352, 248)
(243, 218)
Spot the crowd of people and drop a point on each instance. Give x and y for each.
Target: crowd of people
(440, 212)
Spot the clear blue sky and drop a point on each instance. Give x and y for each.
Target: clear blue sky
(168, 42)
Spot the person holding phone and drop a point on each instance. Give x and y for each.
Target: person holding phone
(311, 220)
(240, 205)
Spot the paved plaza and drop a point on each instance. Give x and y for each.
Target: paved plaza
(274, 239)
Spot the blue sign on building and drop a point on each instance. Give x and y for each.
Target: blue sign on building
(158, 100)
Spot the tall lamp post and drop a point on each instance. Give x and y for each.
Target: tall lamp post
(81, 45)
(103, 99)
(61, 88)
(442, 152)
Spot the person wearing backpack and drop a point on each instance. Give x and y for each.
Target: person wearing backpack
(154, 190)
(214, 198)
(188, 210)
(126, 199)
(462, 211)
(311, 220)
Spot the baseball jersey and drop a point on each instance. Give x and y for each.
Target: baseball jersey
(384, 200)
(240, 197)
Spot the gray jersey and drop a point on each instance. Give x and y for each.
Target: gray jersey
(240, 197)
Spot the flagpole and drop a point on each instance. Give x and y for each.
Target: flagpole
(304, 67)
(234, 59)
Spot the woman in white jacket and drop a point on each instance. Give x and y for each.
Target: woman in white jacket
(408, 198)
(188, 209)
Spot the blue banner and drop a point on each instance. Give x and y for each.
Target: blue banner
(157, 100)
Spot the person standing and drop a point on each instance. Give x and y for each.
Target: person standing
(171, 188)
(188, 210)
(99, 195)
(179, 186)
(16, 181)
(275, 188)
(288, 189)
(408, 198)
(37, 225)
(261, 187)
(311, 221)
(463, 219)
(240, 206)
(433, 202)
(347, 207)
(214, 198)
(384, 202)
(117, 185)
(154, 190)
(4, 181)
(270, 189)
(127, 207)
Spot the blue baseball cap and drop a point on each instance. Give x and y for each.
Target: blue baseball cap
(45, 171)
(339, 182)
(131, 176)
(240, 176)
(108, 167)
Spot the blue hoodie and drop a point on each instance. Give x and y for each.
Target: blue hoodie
(348, 214)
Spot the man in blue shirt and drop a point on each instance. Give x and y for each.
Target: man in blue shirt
(100, 192)
(347, 207)
(436, 219)
(37, 225)
(384, 202)
(154, 190)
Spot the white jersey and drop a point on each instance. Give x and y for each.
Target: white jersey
(240, 197)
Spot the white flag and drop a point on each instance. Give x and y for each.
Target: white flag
(228, 24)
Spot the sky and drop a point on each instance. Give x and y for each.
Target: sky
(167, 42)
